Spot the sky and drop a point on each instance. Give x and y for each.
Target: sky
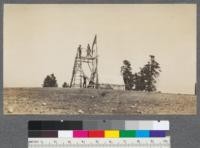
(41, 39)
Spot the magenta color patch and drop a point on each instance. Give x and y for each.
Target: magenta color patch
(80, 133)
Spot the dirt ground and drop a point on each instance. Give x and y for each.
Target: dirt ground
(68, 101)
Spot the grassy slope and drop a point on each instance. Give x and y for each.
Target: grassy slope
(92, 101)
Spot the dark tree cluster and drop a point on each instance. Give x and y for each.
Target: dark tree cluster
(50, 81)
(126, 71)
(65, 85)
(145, 79)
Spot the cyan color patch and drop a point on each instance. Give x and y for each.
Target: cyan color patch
(142, 133)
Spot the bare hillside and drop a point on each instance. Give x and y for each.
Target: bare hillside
(94, 102)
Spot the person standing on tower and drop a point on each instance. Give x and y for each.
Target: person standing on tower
(79, 51)
(88, 50)
(84, 81)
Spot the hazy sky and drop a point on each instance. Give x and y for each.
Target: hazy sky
(43, 39)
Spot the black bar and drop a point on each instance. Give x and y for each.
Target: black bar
(34, 134)
(43, 134)
(50, 134)
(55, 125)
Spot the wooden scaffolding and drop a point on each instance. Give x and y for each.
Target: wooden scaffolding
(85, 57)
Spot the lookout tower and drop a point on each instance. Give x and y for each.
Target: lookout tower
(85, 69)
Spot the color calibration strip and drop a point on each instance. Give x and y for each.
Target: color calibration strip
(98, 134)
(98, 129)
(100, 125)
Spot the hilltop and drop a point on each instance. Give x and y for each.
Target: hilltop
(70, 101)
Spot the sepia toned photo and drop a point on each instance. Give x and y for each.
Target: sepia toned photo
(99, 59)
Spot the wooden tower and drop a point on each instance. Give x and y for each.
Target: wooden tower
(85, 57)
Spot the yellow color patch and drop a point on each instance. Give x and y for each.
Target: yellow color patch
(111, 134)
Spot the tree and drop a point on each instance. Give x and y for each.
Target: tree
(65, 85)
(127, 75)
(145, 79)
(149, 73)
(139, 81)
(50, 81)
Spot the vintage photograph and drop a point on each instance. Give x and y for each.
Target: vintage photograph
(99, 59)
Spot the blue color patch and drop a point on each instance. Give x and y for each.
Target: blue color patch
(142, 133)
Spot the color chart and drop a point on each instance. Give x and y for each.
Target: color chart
(101, 133)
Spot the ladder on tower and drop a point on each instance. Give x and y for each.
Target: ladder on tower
(76, 80)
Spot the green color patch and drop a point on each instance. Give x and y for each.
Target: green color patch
(127, 133)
